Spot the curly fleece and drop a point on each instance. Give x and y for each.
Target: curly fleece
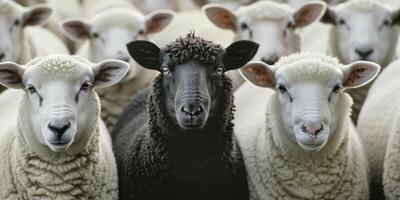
(171, 162)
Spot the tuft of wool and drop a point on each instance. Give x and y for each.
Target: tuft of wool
(266, 10)
(364, 5)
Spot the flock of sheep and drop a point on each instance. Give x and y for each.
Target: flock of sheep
(199, 99)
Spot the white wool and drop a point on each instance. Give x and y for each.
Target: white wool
(87, 170)
(266, 10)
(378, 125)
(94, 7)
(363, 5)
(277, 167)
(118, 16)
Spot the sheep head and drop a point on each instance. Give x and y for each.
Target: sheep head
(363, 30)
(272, 25)
(309, 91)
(109, 31)
(60, 107)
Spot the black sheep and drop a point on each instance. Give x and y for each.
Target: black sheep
(183, 146)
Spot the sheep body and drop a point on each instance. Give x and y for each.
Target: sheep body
(378, 127)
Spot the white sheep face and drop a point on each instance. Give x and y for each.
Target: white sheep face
(108, 39)
(362, 30)
(309, 94)
(61, 105)
(272, 25)
(13, 20)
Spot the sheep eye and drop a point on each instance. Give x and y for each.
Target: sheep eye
(85, 86)
(31, 89)
(336, 89)
(141, 32)
(95, 35)
(220, 71)
(386, 22)
(342, 22)
(244, 26)
(290, 25)
(282, 89)
(165, 71)
(16, 22)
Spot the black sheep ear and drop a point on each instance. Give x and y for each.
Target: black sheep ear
(238, 54)
(145, 53)
(329, 17)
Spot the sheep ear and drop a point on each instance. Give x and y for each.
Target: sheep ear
(309, 13)
(11, 75)
(158, 20)
(77, 29)
(145, 53)
(329, 16)
(259, 74)
(109, 72)
(220, 16)
(36, 15)
(238, 54)
(359, 73)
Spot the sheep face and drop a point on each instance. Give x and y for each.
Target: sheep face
(109, 32)
(192, 88)
(13, 20)
(310, 95)
(363, 30)
(60, 105)
(272, 25)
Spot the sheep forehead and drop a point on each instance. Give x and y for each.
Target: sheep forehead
(58, 67)
(118, 17)
(364, 5)
(9, 7)
(308, 68)
(265, 10)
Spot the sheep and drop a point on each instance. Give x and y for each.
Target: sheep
(57, 148)
(305, 146)
(105, 37)
(378, 127)
(273, 25)
(22, 39)
(182, 146)
(348, 41)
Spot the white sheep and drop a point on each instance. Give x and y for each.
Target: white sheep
(58, 148)
(305, 145)
(347, 25)
(378, 125)
(272, 25)
(105, 36)
(21, 37)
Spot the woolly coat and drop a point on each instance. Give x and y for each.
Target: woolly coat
(279, 169)
(90, 173)
(379, 126)
(172, 163)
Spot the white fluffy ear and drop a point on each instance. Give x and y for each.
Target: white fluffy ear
(77, 29)
(11, 75)
(109, 72)
(309, 13)
(158, 20)
(36, 15)
(259, 74)
(220, 16)
(359, 73)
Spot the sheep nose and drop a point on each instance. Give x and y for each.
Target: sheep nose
(2, 55)
(59, 129)
(312, 129)
(192, 109)
(364, 52)
(270, 61)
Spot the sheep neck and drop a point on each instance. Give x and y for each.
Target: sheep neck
(218, 131)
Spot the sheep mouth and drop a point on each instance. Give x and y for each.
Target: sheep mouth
(59, 143)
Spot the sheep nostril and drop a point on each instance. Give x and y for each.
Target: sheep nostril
(364, 53)
(59, 130)
(310, 131)
(192, 111)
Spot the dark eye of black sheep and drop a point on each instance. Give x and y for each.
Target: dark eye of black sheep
(95, 35)
(244, 26)
(282, 89)
(85, 86)
(16, 22)
(31, 89)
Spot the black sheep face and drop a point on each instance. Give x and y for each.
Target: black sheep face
(192, 76)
